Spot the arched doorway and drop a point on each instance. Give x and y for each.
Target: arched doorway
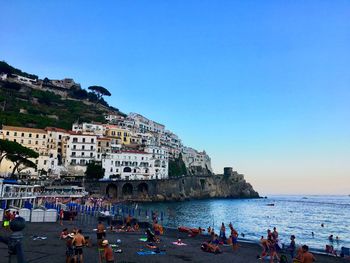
(127, 170)
(142, 189)
(127, 189)
(112, 191)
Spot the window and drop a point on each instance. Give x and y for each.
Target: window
(91, 148)
(22, 135)
(7, 133)
(92, 140)
(74, 147)
(82, 154)
(91, 155)
(83, 147)
(36, 161)
(82, 162)
(59, 137)
(98, 156)
(37, 136)
(14, 140)
(15, 133)
(51, 155)
(36, 142)
(73, 153)
(83, 139)
(30, 135)
(45, 162)
(107, 144)
(75, 139)
(73, 161)
(29, 142)
(22, 141)
(44, 136)
(52, 162)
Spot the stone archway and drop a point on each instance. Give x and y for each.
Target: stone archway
(112, 191)
(127, 170)
(142, 189)
(127, 189)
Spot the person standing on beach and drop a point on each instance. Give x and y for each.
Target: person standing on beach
(107, 252)
(101, 232)
(78, 242)
(223, 232)
(291, 247)
(61, 215)
(234, 235)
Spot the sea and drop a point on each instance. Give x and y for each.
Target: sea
(290, 214)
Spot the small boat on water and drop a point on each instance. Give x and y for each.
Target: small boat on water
(271, 204)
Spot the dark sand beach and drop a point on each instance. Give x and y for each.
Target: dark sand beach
(52, 249)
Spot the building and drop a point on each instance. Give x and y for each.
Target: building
(194, 160)
(81, 150)
(143, 125)
(89, 128)
(118, 135)
(66, 83)
(103, 148)
(161, 161)
(172, 142)
(35, 139)
(129, 165)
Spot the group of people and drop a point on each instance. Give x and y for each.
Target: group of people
(271, 247)
(75, 241)
(215, 240)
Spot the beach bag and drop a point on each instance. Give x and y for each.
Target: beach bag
(283, 259)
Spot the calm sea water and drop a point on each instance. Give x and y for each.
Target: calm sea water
(298, 215)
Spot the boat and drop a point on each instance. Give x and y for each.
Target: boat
(271, 204)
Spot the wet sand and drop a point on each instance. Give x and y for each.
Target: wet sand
(52, 249)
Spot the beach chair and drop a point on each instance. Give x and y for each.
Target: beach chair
(345, 252)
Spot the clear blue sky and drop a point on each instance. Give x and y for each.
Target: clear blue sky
(263, 86)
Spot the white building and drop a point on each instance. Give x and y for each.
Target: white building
(192, 159)
(129, 165)
(89, 128)
(172, 142)
(161, 161)
(81, 149)
(143, 125)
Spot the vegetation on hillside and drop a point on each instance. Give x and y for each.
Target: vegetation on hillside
(177, 167)
(40, 109)
(8, 69)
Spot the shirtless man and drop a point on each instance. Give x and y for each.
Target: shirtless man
(100, 232)
(79, 242)
(307, 257)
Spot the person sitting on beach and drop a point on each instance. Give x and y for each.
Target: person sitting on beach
(108, 254)
(78, 241)
(150, 236)
(64, 234)
(209, 230)
(212, 248)
(307, 257)
(222, 232)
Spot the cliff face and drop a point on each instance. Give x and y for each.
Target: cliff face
(203, 187)
(175, 189)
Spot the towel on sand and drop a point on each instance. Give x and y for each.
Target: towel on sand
(179, 244)
(149, 252)
(143, 239)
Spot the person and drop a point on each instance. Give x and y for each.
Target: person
(209, 230)
(69, 248)
(7, 218)
(128, 221)
(291, 247)
(61, 215)
(265, 246)
(137, 227)
(234, 235)
(312, 234)
(78, 242)
(157, 230)
(272, 250)
(108, 254)
(322, 225)
(17, 214)
(307, 257)
(100, 233)
(330, 238)
(275, 233)
(222, 234)
(64, 234)
(150, 236)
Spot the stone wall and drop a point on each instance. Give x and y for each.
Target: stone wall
(176, 189)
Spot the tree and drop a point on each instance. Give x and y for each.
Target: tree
(20, 164)
(99, 92)
(177, 167)
(17, 154)
(94, 171)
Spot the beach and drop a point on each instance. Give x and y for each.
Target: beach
(52, 249)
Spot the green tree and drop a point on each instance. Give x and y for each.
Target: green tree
(94, 171)
(177, 167)
(17, 154)
(20, 163)
(99, 92)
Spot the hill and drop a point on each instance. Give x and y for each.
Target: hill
(26, 100)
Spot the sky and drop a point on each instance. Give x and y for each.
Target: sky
(262, 86)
